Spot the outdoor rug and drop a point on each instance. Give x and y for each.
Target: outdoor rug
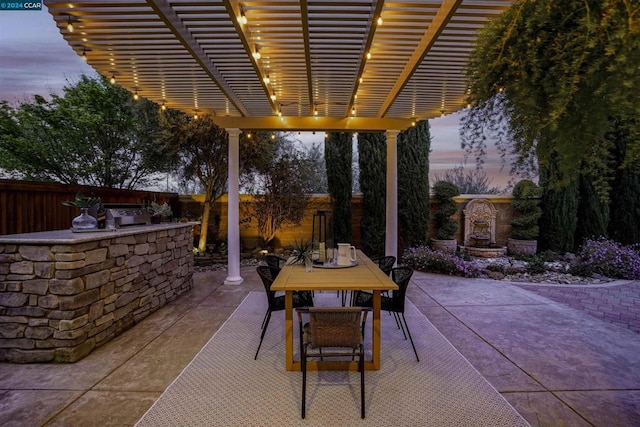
(224, 386)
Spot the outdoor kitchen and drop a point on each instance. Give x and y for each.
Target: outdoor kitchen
(63, 293)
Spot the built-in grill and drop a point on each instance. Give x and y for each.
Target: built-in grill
(128, 213)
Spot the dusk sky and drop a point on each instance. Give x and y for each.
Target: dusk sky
(35, 59)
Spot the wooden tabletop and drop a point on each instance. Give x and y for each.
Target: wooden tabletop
(364, 276)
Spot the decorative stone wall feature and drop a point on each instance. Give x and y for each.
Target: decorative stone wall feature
(63, 294)
(479, 223)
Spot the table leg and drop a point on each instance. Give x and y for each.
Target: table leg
(288, 329)
(375, 350)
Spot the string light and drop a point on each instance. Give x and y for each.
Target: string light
(256, 53)
(242, 18)
(69, 25)
(380, 20)
(266, 79)
(135, 95)
(368, 55)
(195, 116)
(163, 107)
(273, 96)
(353, 111)
(84, 54)
(113, 79)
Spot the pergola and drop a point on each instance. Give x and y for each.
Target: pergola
(325, 65)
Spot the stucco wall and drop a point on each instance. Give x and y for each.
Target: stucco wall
(248, 231)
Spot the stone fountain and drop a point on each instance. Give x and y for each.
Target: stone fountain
(480, 230)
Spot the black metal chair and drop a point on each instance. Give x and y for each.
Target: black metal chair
(340, 329)
(276, 303)
(385, 263)
(274, 261)
(395, 303)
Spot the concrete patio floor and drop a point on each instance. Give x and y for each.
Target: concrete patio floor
(557, 365)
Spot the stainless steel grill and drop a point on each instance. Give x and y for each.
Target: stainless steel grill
(128, 213)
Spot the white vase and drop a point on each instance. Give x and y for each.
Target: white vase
(84, 221)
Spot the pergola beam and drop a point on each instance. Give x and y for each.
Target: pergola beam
(174, 23)
(353, 124)
(444, 14)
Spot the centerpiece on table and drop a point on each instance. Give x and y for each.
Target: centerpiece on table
(84, 221)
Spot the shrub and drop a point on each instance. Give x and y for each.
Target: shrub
(526, 201)
(443, 192)
(422, 258)
(536, 266)
(609, 258)
(498, 268)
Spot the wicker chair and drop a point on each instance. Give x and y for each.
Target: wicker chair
(274, 260)
(276, 303)
(394, 303)
(340, 329)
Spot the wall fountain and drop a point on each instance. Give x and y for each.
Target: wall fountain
(480, 230)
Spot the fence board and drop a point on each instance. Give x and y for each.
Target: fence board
(27, 206)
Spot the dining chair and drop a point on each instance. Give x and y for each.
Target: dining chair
(384, 263)
(340, 329)
(276, 303)
(394, 303)
(274, 260)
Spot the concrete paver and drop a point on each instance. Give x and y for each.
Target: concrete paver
(560, 355)
(574, 368)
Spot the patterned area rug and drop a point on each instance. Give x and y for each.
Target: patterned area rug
(224, 386)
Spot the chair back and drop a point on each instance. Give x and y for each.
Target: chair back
(268, 275)
(401, 276)
(386, 263)
(274, 260)
(335, 327)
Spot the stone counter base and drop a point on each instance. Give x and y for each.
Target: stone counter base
(60, 301)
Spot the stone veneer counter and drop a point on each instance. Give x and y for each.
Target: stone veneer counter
(62, 294)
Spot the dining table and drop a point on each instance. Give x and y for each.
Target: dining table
(363, 274)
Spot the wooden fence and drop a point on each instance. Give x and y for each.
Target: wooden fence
(35, 206)
(27, 206)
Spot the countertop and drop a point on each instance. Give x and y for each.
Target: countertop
(69, 237)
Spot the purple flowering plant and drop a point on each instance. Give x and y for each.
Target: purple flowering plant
(423, 258)
(609, 258)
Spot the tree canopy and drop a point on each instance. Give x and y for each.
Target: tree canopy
(95, 134)
(548, 79)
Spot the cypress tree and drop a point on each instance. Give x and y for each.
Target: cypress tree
(372, 157)
(593, 214)
(338, 155)
(413, 185)
(624, 224)
(559, 210)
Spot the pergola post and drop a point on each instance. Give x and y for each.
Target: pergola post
(391, 230)
(233, 207)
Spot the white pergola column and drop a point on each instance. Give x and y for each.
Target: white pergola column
(233, 207)
(391, 230)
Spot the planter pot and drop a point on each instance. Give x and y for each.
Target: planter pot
(447, 245)
(523, 247)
